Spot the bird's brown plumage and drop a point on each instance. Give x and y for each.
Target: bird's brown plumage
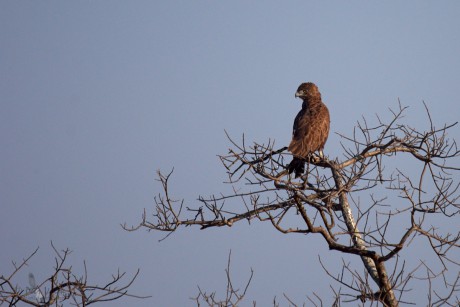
(311, 127)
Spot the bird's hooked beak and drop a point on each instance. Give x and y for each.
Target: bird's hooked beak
(297, 94)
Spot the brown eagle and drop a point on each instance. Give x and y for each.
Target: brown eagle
(311, 128)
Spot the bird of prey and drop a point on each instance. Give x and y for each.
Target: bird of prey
(311, 128)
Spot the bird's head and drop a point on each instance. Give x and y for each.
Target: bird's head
(308, 91)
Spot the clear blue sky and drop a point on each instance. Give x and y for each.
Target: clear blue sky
(95, 96)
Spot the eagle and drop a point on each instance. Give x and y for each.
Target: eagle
(311, 128)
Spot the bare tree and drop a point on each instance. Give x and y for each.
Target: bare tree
(233, 295)
(63, 285)
(367, 204)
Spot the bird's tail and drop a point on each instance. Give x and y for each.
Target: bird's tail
(297, 165)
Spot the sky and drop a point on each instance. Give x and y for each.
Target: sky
(96, 96)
